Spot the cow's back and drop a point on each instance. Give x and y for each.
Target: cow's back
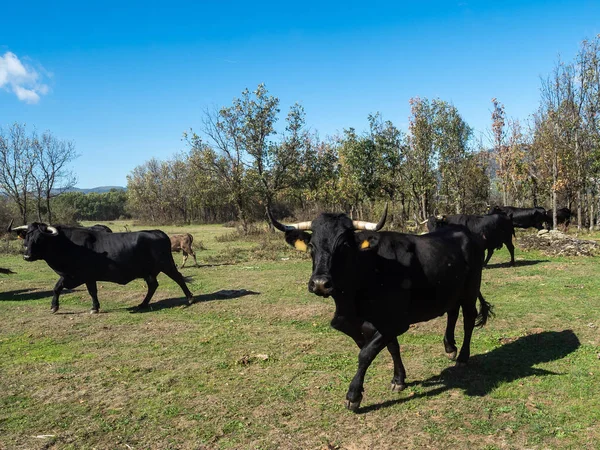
(415, 277)
(123, 257)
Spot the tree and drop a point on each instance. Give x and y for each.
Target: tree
(51, 175)
(421, 155)
(16, 166)
(452, 136)
(500, 149)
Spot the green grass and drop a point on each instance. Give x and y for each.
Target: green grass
(196, 377)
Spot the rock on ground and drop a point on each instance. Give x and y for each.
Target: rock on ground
(557, 243)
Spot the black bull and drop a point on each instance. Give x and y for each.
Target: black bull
(87, 255)
(492, 231)
(382, 283)
(522, 217)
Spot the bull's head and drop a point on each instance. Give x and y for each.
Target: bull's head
(333, 246)
(435, 222)
(35, 238)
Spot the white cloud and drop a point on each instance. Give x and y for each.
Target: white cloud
(20, 79)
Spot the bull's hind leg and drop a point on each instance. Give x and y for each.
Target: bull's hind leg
(511, 250)
(152, 285)
(93, 291)
(449, 341)
(399, 380)
(490, 252)
(176, 276)
(469, 316)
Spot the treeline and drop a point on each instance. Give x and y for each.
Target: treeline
(73, 207)
(34, 168)
(237, 163)
(70, 208)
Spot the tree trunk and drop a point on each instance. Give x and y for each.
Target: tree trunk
(591, 209)
(48, 207)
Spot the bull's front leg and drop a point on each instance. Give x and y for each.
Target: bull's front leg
(58, 288)
(350, 326)
(399, 381)
(365, 358)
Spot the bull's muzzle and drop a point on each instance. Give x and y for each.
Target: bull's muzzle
(321, 285)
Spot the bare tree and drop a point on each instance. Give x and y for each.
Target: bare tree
(51, 175)
(16, 166)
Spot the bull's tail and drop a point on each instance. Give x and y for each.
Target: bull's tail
(192, 238)
(485, 312)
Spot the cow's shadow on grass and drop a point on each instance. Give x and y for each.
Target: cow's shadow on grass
(505, 364)
(24, 294)
(200, 266)
(522, 263)
(30, 294)
(223, 294)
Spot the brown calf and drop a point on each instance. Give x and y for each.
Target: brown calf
(183, 243)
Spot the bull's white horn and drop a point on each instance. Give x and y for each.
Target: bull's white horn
(295, 226)
(370, 226)
(53, 231)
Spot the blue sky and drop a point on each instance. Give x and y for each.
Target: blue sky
(124, 82)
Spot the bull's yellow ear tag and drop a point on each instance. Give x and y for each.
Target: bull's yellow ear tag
(365, 244)
(19, 237)
(300, 245)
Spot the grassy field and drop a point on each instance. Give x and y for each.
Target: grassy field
(254, 364)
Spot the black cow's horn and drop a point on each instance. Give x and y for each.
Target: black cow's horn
(424, 222)
(53, 231)
(294, 226)
(370, 226)
(21, 228)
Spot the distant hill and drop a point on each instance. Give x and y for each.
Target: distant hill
(97, 190)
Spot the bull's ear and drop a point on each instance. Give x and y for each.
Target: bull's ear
(298, 239)
(366, 241)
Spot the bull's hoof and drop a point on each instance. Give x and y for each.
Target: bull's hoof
(452, 355)
(94, 311)
(142, 306)
(190, 301)
(353, 406)
(460, 364)
(54, 309)
(398, 387)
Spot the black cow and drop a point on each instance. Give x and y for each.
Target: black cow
(383, 282)
(100, 227)
(563, 216)
(83, 255)
(493, 231)
(522, 217)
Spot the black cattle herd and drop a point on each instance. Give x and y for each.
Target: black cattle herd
(381, 281)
